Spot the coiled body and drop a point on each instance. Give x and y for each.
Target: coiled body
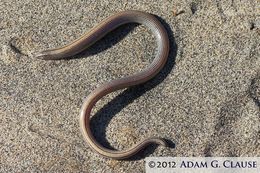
(90, 38)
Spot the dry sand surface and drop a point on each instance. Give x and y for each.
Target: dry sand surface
(205, 100)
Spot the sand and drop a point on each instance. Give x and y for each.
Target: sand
(205, 100)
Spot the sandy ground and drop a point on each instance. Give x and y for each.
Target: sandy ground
(206, 99)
